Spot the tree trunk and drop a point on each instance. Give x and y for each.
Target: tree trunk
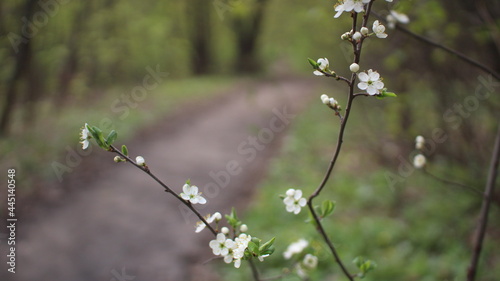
(21, 69)
(247, 31)
(200, 31)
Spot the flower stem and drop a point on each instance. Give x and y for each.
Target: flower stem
(167, 189)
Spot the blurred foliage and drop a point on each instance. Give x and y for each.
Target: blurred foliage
(418, 230)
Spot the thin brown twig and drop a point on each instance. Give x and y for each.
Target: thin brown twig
(167, 189)
(446, 49)
(485, 207)
(449, 182)
(343, 124)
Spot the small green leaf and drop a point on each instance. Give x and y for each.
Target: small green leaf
(125, 150)
(269, 251)
(267, 245)
(385, 94)
(188, 182)
(111, 137)
(97, 135)
(253, 248)
(313, 63)
(327, 208)
(233, 220)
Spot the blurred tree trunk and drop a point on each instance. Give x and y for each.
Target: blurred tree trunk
(22, 69)
(247, 29)
(200, 31)
(70, 67)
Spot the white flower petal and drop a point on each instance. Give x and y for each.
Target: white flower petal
(362, 85)
(363, 77)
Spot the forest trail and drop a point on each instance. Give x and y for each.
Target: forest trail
(123, 226)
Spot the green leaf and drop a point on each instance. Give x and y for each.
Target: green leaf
(385, 94)
(99, 138)
(313, 63)
(267, 245)
(269, 251)
(253, 248)
(233, 220)
(125, 150)
(327, 208)
(111, 137)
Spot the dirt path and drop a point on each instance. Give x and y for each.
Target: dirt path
(124, 227)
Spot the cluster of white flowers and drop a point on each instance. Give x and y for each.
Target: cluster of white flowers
(190, 193)
(323, 65)
(295, 248)
(371, 82)
(294, 200)
(308, 262)
(331, 102)
(209, 218)
(232, 251)
(85, 137)
(357, 6)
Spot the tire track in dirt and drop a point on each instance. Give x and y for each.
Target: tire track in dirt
(124, 227)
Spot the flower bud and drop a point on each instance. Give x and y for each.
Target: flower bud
(118, 159)
(325, 99)
(345, 36)
(364, 31)
(243, 228)
(419, 142)
(419, 161)
(140, 161)
(354, 67)
(356, 36)
(224, 230)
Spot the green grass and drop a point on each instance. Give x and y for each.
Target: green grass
(32, 151)
(419, 230)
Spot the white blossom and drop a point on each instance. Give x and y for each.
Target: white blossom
(201, 225)
(371, 82)
(379, 29)
(419, 161)
(294, 200)
(357, 6)
(310, 261)
(364, 30)
(191, 194)
(323, 65)
(295, 248)
(395, 17)
(85, 136)
(221, 245)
